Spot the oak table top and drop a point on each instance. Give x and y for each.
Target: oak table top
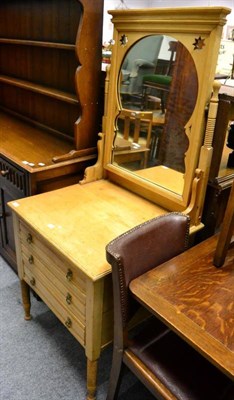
(196, 300)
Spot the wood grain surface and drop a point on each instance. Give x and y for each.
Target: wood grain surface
(195, 299)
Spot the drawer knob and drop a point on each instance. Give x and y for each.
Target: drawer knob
(68, 322)
(29, 238)
(31, 259)
(69, 275)
(4, 173)
(33, 282)
(68, 298)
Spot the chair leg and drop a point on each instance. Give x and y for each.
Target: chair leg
(115, 375)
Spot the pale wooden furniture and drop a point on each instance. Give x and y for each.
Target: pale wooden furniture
(161, 174)
(50, 72)
(75, 223)
(187, 137)
(195, 299)
(61, 235)
(137, 142)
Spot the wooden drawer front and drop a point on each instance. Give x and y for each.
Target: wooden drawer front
(71, 277)
(48, 295)
(13, 176)
(49, 277)
(68, 299)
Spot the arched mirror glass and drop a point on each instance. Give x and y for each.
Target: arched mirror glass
(158, 88)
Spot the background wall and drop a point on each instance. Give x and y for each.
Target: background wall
(112, 4)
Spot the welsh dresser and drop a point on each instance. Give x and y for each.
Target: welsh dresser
(50, 75)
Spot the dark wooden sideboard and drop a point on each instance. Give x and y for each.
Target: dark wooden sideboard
(50, 99)
(221, 176)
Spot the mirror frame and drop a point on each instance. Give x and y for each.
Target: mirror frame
(199, 30)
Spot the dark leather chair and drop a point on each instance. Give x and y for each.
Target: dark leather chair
(165, 364)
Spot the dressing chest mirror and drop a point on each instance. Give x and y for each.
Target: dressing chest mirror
(159, 109)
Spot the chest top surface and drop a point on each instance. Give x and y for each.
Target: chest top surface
(78, 221)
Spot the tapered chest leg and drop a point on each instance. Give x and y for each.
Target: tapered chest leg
(25, 290)
(91, 379)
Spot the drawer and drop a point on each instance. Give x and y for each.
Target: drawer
(60, 285)
(13, 177)
(72, 278)
(73, 302)
(67, 318)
